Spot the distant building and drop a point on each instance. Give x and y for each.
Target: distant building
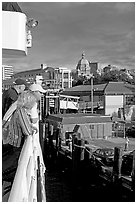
(8, 83)
(30, 75)
(93, 67)
(87, 125)
(65, 77)
(108, 98)
(85, 67)
(54, 78)
(109, 68)
(7, 72)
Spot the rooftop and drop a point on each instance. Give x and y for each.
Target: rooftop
(32, 71)
(108, 88)
(81, 88)
(117, 88)
(79, 118)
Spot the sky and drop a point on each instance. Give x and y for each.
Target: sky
(105, 31)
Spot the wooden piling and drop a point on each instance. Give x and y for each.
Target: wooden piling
(55, 105)
(74, 153)
(78, 153)
(57, 138)
(117, 164)
(81, 149)
(58, 103)
(87, 154)
(133, 172)
(46, 130)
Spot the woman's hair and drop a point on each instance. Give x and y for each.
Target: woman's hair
(26, 100)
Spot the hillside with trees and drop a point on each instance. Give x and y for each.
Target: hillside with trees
(113, 75)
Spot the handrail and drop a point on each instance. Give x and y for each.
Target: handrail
(24, 188)
(67, 96)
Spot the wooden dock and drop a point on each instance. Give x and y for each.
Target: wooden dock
(79, 153)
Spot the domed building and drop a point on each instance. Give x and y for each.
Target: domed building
(83, 67)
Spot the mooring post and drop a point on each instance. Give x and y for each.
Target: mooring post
(87, 154)
(46, 130)
(58, 143)
(60, 135)
(117, 164)
(46, 145)
(74, 152)
(78, 151)
(74, 160)
(81, 149)
(57, 138)
(133, 172)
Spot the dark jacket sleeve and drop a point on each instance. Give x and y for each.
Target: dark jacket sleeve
(8, 97)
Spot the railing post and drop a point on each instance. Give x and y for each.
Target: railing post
(46, 104)
(39, 193)
(42, 134)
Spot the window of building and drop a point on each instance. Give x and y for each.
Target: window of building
(92, 127)
(65, 75)
(130, 100)
(100, 98)
(66, 85)
(86, 98)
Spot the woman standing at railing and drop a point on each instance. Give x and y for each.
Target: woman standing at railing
(38, 91)
(20, 127)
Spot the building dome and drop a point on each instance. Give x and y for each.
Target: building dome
(83, 62)
(83, 66)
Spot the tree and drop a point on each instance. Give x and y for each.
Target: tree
(113, 75)
(117, 75)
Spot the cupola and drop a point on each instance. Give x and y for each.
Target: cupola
(83, 67)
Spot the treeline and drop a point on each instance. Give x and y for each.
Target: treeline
(114, 75)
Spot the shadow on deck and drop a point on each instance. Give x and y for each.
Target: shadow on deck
(60, 185)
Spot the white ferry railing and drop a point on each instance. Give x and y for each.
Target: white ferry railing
(30, 173)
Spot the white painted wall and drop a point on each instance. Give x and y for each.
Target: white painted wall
(113, 103)
(69, 79)
(13, 34)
